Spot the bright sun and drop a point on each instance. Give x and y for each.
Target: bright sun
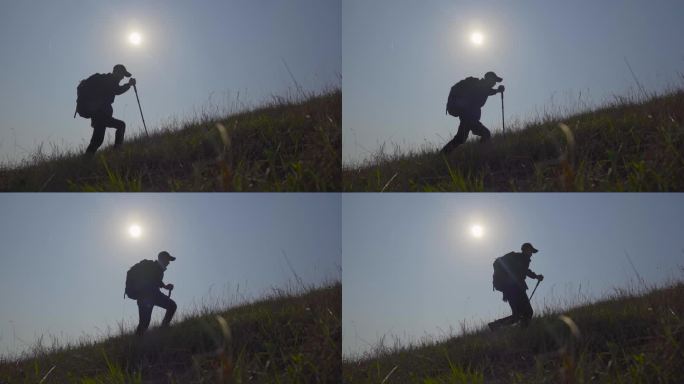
(477, 38)
(135, 38)
(477, 231)
(135, 231)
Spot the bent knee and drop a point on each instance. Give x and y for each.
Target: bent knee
(461, 138)
(117, 124)
(172, 305)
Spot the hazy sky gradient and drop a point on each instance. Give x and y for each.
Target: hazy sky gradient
(65, 256)
(402, 57)
(411, 267)
(193, 54)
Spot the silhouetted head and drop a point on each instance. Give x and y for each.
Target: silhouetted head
(120, 72)
(528, 249)
(165, 258)
(491, 79)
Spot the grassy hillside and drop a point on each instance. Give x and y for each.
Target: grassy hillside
(627, 338)
(285, 146)
(287, 338)
(627, 146)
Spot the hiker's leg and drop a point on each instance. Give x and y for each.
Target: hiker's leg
(482, 131)
(514, 317)
(507, 293)
(514, 302)
(96, 140)
(460, 138)
(98, 134)
(170, 311)
(144, 316)
(525, 310)
(520, 304)
(165, 302)
(120, 127)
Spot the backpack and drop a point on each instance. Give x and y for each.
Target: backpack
(501, 277)
(137, 278)
(89, 95)
(458, 96)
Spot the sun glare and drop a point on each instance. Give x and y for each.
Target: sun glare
(477, 38)
(477, 231)
(135, 38)
(135, 231)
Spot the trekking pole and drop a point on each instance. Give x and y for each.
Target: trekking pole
(143, 120)
(503, 123)
(533, 291)
(172, 290)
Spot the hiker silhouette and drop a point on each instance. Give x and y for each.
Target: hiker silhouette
(143, 282)
(95, 96)
(510, 271)
(466, 99)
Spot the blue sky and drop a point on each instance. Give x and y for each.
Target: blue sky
(65, 256)
(400, 59)
(193, 55)
(412, 269)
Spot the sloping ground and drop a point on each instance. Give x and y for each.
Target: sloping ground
(625, 339)
(286, 339)
(282, 147)
(627, 146)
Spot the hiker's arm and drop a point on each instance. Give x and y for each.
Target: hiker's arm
(122, 88)
(165, 286)
(494, 91)
(533, 275)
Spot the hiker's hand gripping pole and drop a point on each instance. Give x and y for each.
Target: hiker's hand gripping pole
(145, 126)
(169, 287)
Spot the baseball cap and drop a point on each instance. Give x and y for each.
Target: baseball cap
(529, 247)
(166, 255)
(119, 68)
(493, 76)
